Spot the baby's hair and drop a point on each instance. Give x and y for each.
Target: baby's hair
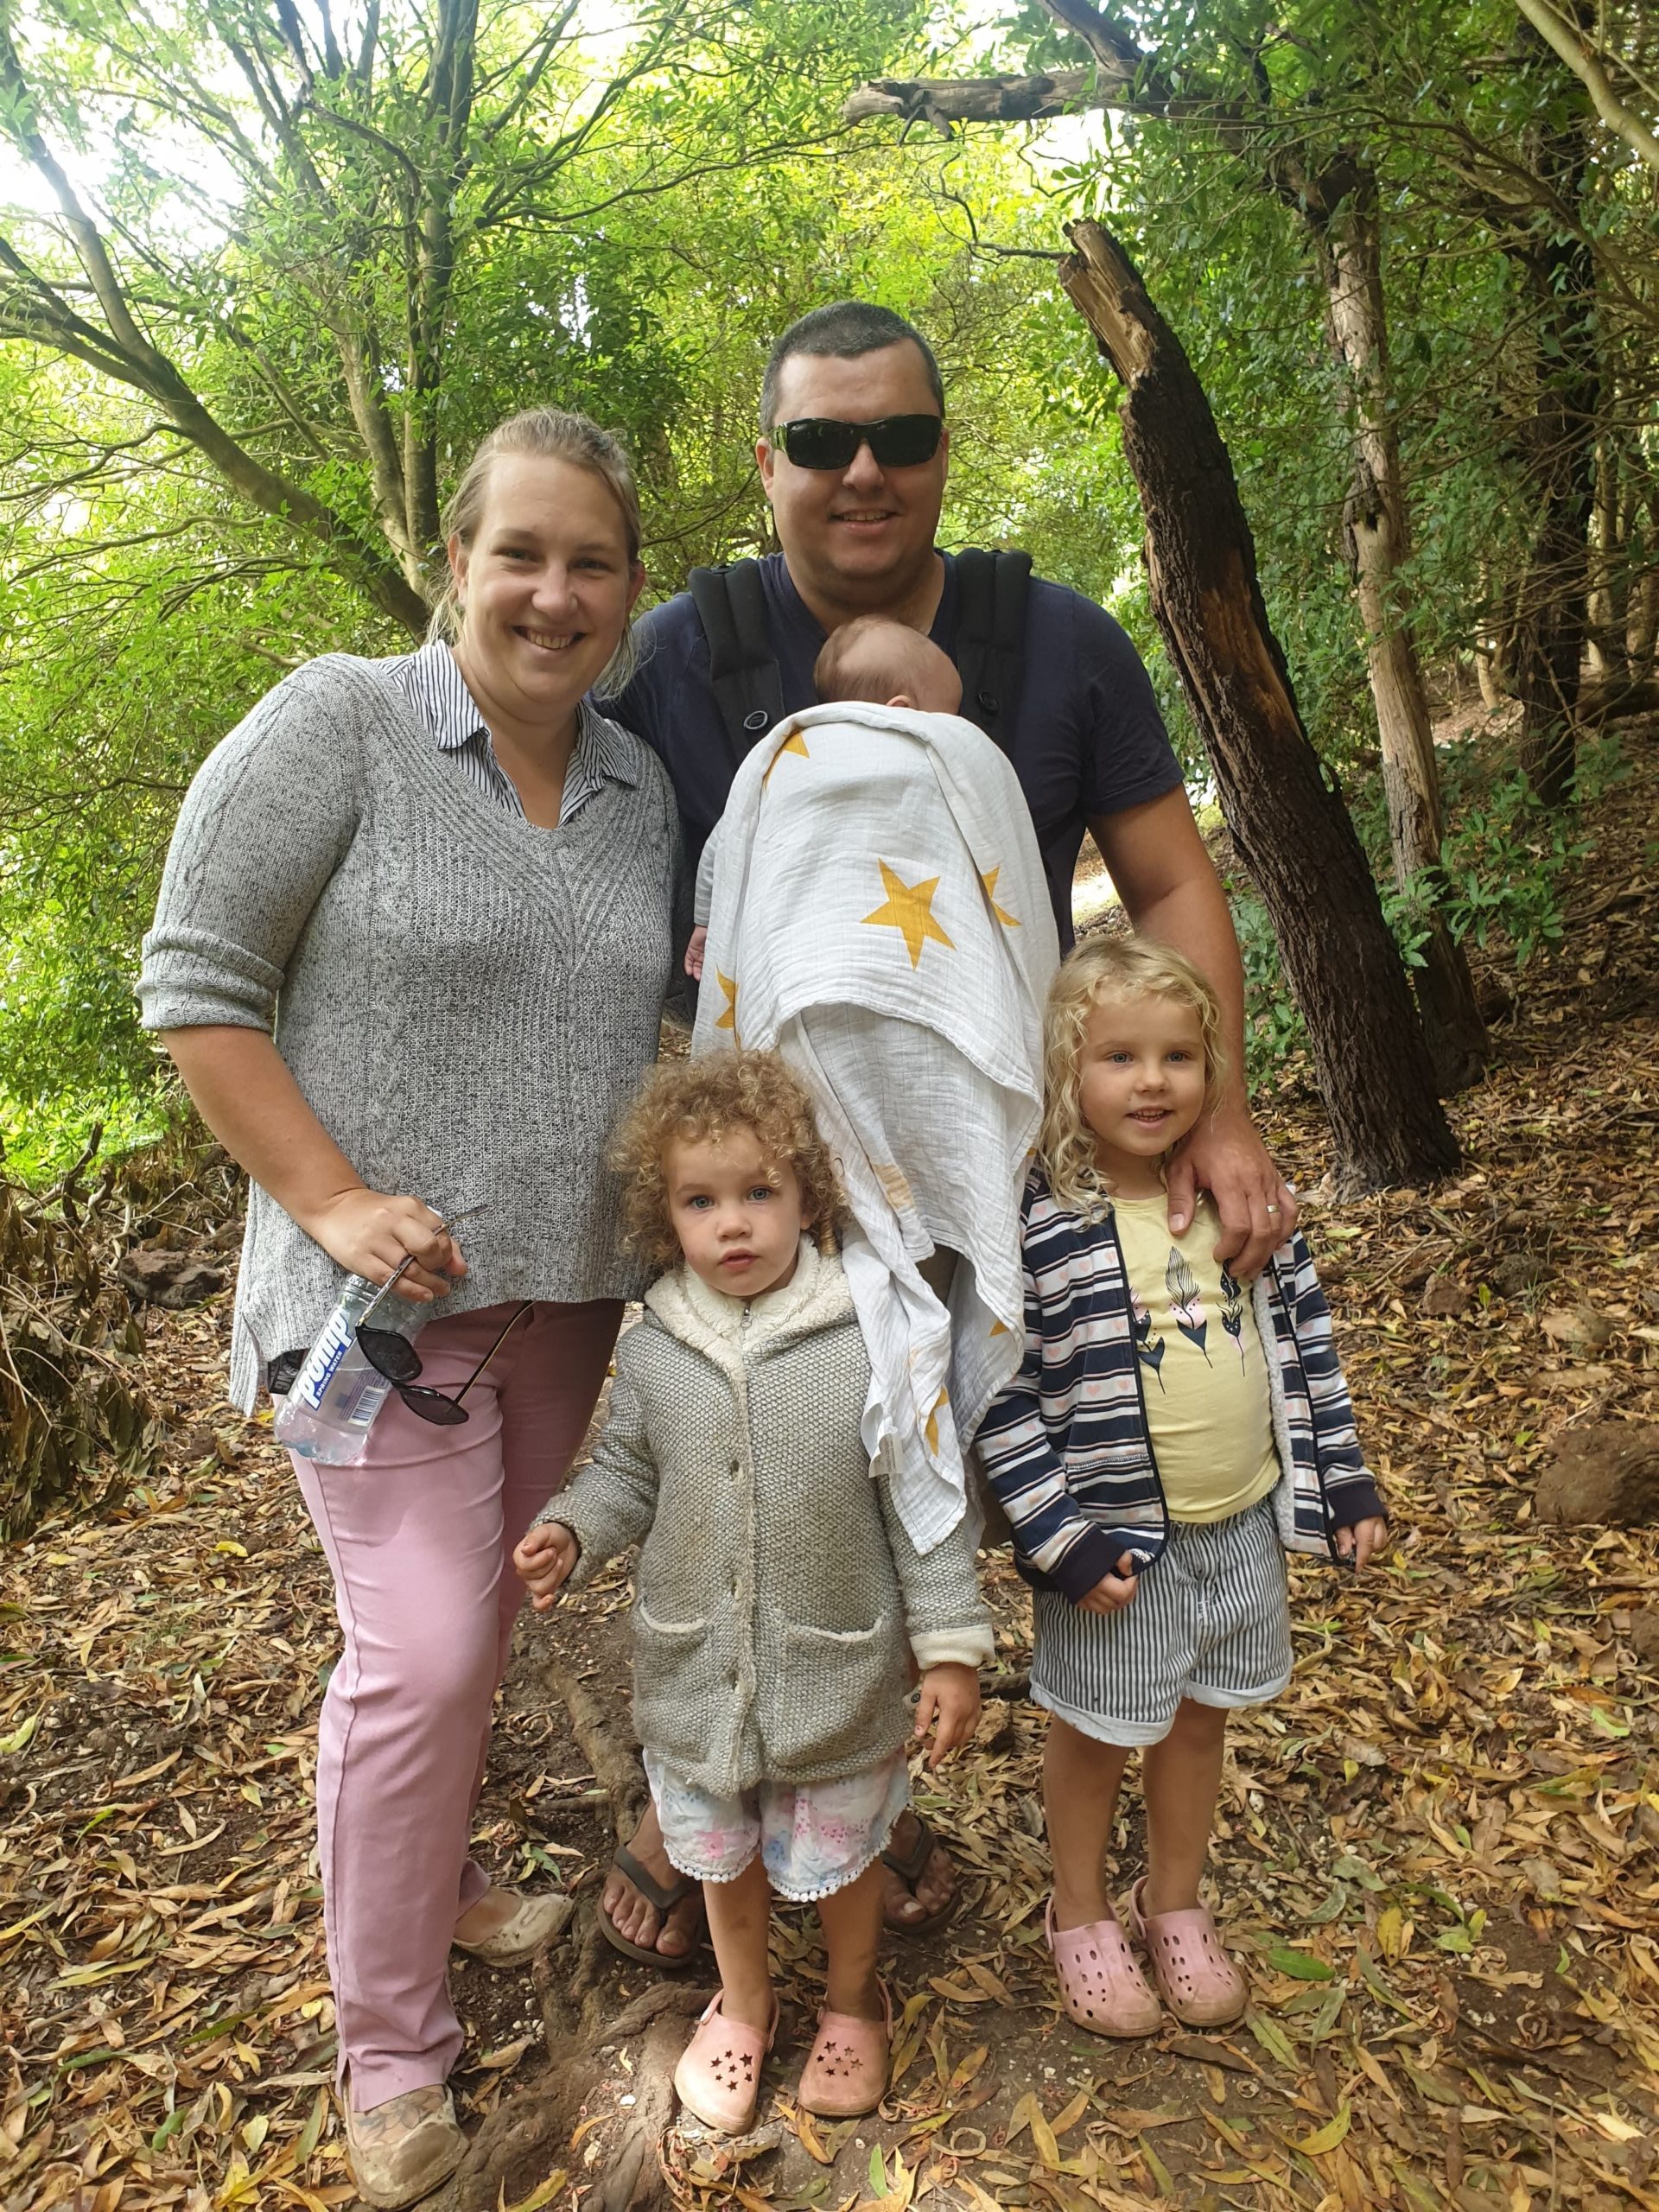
(867, 659)
(691, 1101)
(1101, 969)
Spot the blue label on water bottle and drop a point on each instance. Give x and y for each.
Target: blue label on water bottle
(319, 1372)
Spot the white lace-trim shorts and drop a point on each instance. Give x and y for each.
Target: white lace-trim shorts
(813, 1837)
(1211, 1621)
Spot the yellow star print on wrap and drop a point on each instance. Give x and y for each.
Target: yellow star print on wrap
(932, 1431)
(1008, 921)
(729, 1018)
(909, 909)
(793, 743)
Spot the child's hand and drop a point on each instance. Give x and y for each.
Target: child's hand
(949, 1705)
(545, 1557)
(694, 954)
(1363, 1541)
(1113, 1592)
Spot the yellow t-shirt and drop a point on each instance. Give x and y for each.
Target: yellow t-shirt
(1203, 1372)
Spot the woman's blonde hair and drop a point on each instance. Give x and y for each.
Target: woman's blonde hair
(1101, 969)
(547, 434)
(693, 1102)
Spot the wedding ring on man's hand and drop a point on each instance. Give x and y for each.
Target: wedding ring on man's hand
(1273, 1209)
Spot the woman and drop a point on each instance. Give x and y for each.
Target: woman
(410, 957)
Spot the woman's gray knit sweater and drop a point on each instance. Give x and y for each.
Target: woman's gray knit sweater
(778, 1599)
(467, 1001)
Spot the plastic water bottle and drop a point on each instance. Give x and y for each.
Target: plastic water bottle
(333, 1401)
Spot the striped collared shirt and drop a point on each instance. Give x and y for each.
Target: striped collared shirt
(436, 690)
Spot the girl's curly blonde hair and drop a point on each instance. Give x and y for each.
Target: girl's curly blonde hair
(1100, 970)
(690, 1102)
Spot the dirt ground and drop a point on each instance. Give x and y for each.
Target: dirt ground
(1438, 1858)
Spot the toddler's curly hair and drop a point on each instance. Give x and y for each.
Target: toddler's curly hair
(690, 1102)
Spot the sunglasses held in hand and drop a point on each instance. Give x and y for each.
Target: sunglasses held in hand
(895, 441)
(391, 1353)
(394, 1356)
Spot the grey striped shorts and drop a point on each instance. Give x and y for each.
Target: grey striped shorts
(1211, 1621)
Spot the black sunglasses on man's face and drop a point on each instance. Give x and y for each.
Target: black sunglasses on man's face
(895, 441)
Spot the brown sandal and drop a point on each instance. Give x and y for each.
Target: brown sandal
(909, 1866)
(664, 1896)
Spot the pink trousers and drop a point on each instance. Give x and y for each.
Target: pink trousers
(419, 1538)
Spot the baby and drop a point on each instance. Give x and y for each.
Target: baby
(879, 917)
(883, 661)
(876, 659)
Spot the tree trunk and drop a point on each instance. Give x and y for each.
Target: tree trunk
(1286, 816)
(1341, 209)
(1559, 273)
(1609, 577)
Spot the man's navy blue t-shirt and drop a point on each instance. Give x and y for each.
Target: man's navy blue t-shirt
(1088, 739)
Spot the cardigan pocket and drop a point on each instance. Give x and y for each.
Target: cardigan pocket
(841, 1696)
(674, 1664)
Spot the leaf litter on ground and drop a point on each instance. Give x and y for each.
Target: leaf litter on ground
(1437, 1855)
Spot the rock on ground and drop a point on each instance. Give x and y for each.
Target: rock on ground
(1608, 1474)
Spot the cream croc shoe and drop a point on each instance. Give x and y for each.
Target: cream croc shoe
(400, 2152)
(532, 1921)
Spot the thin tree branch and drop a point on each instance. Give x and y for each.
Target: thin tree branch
(1578, 51)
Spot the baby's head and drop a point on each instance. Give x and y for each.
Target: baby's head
(1116, 999)
(884, 662)
(723, 1167)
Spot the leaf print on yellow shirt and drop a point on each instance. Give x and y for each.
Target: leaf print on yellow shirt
(1149, 1349)
(1232, 1310)
(1185, 1304)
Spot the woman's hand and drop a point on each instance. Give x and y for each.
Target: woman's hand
(1113, 1592)
(369, 1234)
(544, 1558)
(694, 952)
(949, 1705)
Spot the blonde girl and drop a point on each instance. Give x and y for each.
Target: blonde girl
(1170, 1432)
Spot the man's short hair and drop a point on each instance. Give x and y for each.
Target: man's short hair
(841, 333)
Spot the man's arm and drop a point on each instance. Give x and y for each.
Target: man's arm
(1167, 882)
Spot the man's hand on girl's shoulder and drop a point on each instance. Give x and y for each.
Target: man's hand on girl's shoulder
(1225, 1155)
(949, 1703)
(1363, 1541)
(545, 1557)
(1113, 1592)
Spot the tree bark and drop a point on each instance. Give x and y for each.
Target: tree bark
(1558, 270)
(1285, 814)
(1339, 206)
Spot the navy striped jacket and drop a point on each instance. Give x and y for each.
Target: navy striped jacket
(1066, 1446)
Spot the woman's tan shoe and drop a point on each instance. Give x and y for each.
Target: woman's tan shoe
(400, 2150)
(532, 1921)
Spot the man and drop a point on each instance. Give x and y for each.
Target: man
(857, 532)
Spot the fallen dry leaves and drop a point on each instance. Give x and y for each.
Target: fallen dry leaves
(1438, 1855)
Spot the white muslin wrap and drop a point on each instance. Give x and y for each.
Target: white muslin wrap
(880, 919)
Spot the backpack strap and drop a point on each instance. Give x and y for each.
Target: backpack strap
(992, 589)
(731, 606)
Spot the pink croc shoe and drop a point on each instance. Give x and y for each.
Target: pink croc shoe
(1200, 1984)
(846, 2072)
(718, 2078)
(1100, 1986)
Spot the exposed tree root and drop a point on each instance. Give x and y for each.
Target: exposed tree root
(525, 2138)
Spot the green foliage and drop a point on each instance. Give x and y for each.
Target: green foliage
(1505, 866)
